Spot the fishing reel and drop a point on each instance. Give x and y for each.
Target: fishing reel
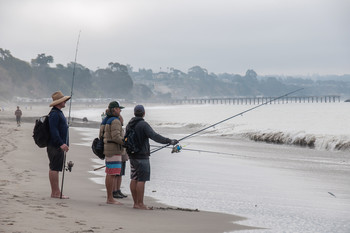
(70, 164)
(176, 148)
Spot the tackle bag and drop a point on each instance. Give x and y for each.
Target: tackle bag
(130, 141)
(98, 147)
(98, 144)
(41, 131)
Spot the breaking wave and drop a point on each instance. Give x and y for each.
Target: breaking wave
(321, 142)
(193, 126)
(296, 138)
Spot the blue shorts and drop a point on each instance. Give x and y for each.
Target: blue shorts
(140, 169)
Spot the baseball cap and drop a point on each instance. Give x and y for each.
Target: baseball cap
(139, 109)
(115, 104)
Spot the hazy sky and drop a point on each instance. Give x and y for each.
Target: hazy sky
(269, 36)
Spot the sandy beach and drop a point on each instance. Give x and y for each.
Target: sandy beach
(26, 205)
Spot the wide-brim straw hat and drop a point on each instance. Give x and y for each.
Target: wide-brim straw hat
(58, 98)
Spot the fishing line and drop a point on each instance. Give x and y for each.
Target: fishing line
(195, 150)
(239, 114)
(205, 151)
(70, 164)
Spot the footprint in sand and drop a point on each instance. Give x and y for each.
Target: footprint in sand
(51, 213)
(37, 207)
(57, 215)
(4, 182)
(24, 202)
(8, 221)
(80, 223)
(62, 204)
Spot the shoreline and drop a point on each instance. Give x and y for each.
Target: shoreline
(27, 206)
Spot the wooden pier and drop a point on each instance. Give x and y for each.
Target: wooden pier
(260, 100)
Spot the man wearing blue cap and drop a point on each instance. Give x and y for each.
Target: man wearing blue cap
(139, 161)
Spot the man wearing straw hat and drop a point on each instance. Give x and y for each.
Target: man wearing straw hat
(58, 141)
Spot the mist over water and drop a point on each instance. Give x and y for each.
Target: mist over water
(283, 186)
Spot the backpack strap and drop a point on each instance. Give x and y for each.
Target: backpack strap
(107, 120)
(104, 126)
(110, 119)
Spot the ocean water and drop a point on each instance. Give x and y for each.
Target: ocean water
(324, 126)
(285, 167)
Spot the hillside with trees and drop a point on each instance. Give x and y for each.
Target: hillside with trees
(38, 79)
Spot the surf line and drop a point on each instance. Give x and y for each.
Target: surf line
(229, 118)
(70, 163)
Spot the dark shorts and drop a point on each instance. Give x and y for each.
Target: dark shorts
(56, 156)
(140, 169)
(122, 171)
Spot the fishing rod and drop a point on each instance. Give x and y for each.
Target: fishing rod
(239, 114)
(71, 90)
(70, 163)
(99, 168)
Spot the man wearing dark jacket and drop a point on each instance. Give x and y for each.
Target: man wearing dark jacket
(58, 143)
(139, 162)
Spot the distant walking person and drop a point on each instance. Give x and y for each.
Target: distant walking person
(58, 144)
(139, 162)
(112, 132)
(18, 114)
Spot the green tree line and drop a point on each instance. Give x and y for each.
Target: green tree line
(198, 82)
(38, 79)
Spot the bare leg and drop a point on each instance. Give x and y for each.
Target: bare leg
(140, 191)
(133, 184)
(109, 186)
(54, 182)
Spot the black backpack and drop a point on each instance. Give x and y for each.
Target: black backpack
(98, 147)
(130, 141)
(41, 131)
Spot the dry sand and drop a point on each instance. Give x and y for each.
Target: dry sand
(26, 205)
